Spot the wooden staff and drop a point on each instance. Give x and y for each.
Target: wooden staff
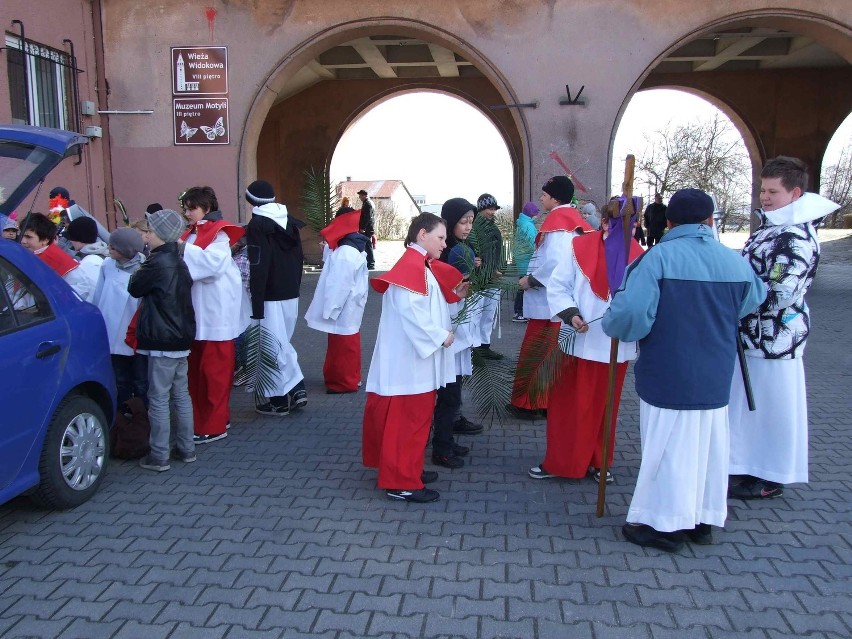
(626, 215)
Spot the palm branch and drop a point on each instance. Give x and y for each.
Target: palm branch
(262, 349)
(319, 199)
(490, 386)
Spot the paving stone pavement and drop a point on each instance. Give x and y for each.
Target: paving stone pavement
(278, 531)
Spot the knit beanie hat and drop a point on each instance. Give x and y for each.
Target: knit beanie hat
(259, 193)
(154, 207)
(10, 223)
(689, 206)
(126, 241)
(486, 201)
(166, 224)
(83, 229)
(559, 187)
(530, 209)
(455, 209)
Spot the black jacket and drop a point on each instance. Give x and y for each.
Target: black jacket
(275, 261)
(367, 225)
(166, 318)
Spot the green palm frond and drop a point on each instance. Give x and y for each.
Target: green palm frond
(262, 349)
(490, 386)
(120, 205)
(319, 199)
(542, 368)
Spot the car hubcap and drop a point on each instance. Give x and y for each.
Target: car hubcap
(82, 451)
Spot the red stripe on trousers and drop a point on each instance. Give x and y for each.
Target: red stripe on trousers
(211, 373)
(342, 368)
(538, 334)
(396, 429)
(575, 416)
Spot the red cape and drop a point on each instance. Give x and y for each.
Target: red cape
(410, 273)
(206, 231)
(340, 227)
(563, 218)
(590, 257)
(58, 260)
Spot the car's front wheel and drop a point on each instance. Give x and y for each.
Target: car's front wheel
(74, 457)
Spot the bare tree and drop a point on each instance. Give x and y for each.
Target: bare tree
(836, 185)
(706, 154)
(389, 223)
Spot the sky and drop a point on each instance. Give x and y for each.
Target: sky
(442, 147)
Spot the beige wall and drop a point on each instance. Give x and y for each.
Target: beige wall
(49, 22)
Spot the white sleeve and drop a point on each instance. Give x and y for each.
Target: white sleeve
(560, 285)
(426, 335)
(339, 285)
(211, 262)
(554, 248)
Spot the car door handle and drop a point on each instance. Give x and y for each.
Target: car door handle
(46, 349)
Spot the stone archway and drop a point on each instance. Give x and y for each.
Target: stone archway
(301, 130)
(789, 110)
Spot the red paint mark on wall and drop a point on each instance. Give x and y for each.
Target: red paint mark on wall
(210, 12)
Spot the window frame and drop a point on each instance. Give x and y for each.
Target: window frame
(42, 303)
(47, 81)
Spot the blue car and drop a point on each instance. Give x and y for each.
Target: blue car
(57, 389)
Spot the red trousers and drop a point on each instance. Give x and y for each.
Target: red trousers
(211, 373)
(396, 429)
(342, 368)
(540, 337)
(575, 417)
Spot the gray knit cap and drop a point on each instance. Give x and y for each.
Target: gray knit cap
(166, 224)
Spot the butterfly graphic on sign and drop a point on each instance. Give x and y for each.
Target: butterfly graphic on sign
(215, 131)
(187, 131)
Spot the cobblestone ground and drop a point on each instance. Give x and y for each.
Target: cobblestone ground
(278, 531)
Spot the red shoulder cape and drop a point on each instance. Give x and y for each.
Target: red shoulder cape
(340, 227)
(590, 257)
(563, 218)
(58, 260)
(206, 231)
(410, 273)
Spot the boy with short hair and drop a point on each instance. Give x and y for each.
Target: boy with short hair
(769, 447)
(164, 332)
(38, 236)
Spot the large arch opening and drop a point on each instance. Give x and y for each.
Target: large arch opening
(682, 139)
(452, 151)
(321, 87)
(783, 77)
(836, 173)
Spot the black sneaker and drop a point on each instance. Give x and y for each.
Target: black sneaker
(207, 439)
(755, 488)
(299, 399)
(702, 535)
(538, 472)
(422, 496)
(447, 461)
(645, 536)
(428, 476)
(595, 473)
(272, 409)
(487, 353)
(460, 451)
(463, 426)
(520, 319)
(149, 463)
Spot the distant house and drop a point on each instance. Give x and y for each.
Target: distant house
(383, 193)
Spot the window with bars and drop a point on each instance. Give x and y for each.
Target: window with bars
(41, 82)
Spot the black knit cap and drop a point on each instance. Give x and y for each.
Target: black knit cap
(559, 187)
(486, 201)
(153, 207)
(59, 190)
(689, 206)
(83, 229)
(455, 209)
(259, 193)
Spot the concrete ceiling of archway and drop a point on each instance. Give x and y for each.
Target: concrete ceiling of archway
(375, 57)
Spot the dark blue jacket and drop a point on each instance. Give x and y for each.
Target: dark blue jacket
(682, 300)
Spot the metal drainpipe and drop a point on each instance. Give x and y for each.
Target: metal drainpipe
(103, 105)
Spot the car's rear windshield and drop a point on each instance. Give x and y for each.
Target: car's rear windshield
(19, 164)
